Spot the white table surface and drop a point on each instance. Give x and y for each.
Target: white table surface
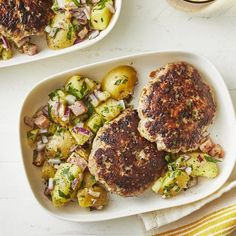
(143, 26)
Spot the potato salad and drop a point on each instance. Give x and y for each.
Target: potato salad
(77, 20)
(62, 132)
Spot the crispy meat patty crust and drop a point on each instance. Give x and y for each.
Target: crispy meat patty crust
(176, 107)
(22, 18)
(122, 160)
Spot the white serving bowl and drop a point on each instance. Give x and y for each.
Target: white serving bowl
(46, 52)
(223, 131)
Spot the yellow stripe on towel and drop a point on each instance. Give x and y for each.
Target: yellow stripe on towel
(218, 223)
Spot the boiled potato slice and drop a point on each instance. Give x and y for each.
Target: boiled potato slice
(172, 183)
(62, 33)
(94, 197)
(110, 109)
(120, 82)
(48, 171)
(79, 86)
(201, 167)
(60, 144)
(64, 189)
(89, 180)
(101, 16)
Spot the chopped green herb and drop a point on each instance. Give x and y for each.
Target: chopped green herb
(63, 195)
(65, 171)
(121, 81)
(83, 89)
(69, 33)
(211, 159)
(168, 158)
(105, 110)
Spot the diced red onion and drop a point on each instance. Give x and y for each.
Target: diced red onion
(70, 99)
(43, 131)
(95, 1)
(94, 34)
(74, 183)
(93, 193)
(5, 42)
(110, 7)
(81, 130)
(40, 146)
(50, 184)
(29, 121)
(94, 100)
(54, 161)
(44, 139)
(83, 1)
(87, 12)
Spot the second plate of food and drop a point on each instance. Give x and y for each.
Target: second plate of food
(65, 26)
(143, 133)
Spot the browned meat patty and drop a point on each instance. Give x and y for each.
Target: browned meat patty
(23, 18)
(176, 108)
(122, 160)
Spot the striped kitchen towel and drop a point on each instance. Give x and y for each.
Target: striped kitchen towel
(218, 223)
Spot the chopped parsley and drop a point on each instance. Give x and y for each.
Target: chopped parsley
(211, 159)
(69, 33)
(122, 80)
(63, 195)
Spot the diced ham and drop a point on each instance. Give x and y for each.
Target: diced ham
(83, 33)
(206, 146)
(38, 158)
(212, 149)
(75, 159)
(30, 49)
(42, 122)
(29, 121)
(217, 151)
(78, 108)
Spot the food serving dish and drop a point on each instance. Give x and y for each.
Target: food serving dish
(46, 52)
(223, 131)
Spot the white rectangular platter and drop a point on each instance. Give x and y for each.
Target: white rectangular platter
(46, 52)
(222, 131)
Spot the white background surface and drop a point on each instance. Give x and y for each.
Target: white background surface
(144, 26)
